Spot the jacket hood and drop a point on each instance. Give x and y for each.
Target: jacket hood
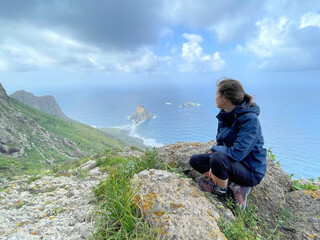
(238, 111)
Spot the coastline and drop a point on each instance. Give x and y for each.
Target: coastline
(124, 136)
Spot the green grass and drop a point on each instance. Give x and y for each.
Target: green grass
(296, 185)
(119, 216)
(85, 137)
(247, 224)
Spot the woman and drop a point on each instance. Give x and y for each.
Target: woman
(239, 158)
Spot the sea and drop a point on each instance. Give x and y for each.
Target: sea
(289, 116)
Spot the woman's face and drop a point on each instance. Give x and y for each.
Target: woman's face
(219, 100)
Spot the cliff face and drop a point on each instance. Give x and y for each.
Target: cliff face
(46, 103)
(140, 115)
(20, 136)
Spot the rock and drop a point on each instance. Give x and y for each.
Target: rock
(48, 208)
(178, 154)
(46, 103)
(304, 205)
(272, 195)
(190, 104)
(140, 115)
(175, 206)
(3, 94)
(88, 165)
(129, 152)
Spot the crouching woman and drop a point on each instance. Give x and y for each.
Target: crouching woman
(238, 161)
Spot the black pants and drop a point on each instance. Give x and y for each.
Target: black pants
(224, 168)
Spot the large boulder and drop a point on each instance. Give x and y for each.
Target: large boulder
(176, 207)
(272, 195)
(178, 155)
(269, 195)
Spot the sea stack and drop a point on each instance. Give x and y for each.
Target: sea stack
(190, 104)
(140, 115)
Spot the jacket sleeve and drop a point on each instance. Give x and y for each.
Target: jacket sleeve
(245, 141)
(219, 142)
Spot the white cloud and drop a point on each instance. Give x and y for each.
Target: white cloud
(272, 36)
(228, 20)
(310, 19)
(25, 47)
(193, 58)
(284, 45)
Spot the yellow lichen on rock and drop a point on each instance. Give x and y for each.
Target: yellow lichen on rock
(175, 205)
(314, 194)
(159, 213)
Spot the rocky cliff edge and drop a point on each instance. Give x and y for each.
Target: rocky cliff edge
(53, 207)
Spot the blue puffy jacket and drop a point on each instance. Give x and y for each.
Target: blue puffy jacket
(239, 137)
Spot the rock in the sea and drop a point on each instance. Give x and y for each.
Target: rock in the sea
(140, 115)
(190, 104)
(176, 207)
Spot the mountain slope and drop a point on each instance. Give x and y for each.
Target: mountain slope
(30, 138)
(46, 103)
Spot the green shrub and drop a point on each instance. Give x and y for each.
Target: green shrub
(306, 186)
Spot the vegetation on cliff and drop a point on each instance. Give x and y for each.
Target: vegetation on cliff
(62, 140)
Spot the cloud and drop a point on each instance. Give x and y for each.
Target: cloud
(310, 19)
(107, 24)
(129, 36)
(193, 58)
(26, 48)
(285, 44)
(229, 20)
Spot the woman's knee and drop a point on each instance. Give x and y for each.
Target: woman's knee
(193, 161)
(218, 158)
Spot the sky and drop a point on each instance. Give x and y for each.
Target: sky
(65, 43)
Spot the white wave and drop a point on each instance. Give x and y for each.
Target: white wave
(149, 142)
(131, 131)
(168, 103)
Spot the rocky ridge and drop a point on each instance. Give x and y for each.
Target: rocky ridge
(140, 115)
(47, 103)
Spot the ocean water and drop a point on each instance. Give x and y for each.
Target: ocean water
(289, 117)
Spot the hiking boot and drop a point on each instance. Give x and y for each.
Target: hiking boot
(240, 194)
(208, 186)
